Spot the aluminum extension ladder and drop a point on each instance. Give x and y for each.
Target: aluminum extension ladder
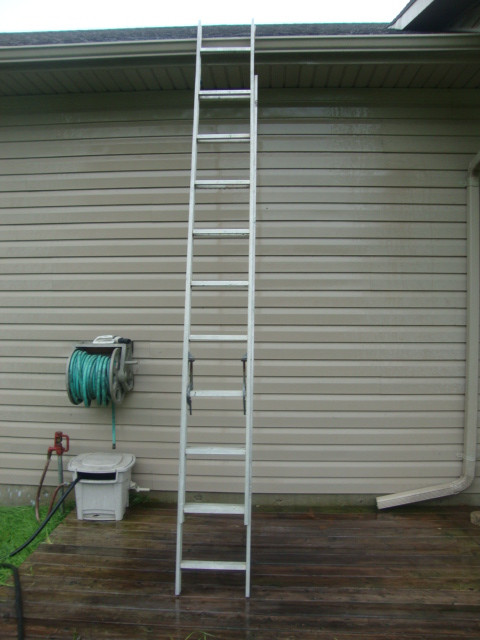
(197, 234)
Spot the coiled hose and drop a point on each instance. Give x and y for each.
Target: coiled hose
(89, 379)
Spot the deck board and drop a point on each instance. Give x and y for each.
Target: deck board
(407, 573)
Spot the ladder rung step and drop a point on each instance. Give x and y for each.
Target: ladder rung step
(222, 184)
(225, 94)
(215, 451)
(213, 565)
(223, 137)
(221, 233)
(225, 49)
(220, 337)
(214, 508)
(220, 283)
(221, 393)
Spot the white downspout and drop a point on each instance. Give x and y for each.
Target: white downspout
(471, 360)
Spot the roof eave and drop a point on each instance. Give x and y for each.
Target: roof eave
(410, 13)
(431, 16)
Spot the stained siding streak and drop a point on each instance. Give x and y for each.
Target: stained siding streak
(360, 282)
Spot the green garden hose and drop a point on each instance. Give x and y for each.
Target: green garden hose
(89, 379)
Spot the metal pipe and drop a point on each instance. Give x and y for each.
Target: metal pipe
(60, 480)
(471, 360)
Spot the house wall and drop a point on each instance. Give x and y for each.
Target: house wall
(360, 286)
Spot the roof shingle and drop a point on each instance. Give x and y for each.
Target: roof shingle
(188, 33)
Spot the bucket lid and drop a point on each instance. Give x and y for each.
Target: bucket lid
(102, 462)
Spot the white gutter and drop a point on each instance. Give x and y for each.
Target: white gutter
(471, 360)
(399, 48)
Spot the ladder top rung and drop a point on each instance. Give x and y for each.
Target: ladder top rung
(221, 233)
(225, 50)
(231, 284)
(223, 137)
(213, 565)
(214, 508)
(215, 451)
(224, 94)
(222, 184)
(221, 393)
(218, 338)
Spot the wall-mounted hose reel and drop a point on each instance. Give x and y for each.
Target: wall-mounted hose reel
(101, 370)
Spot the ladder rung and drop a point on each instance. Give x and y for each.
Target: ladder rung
(222, 184)
(225, 50)
(215, 451)
(221, 233)
(220, 283)
(214, 508)
(220, 337)
(213, 565)
(225, 94)
(223, 137)
(221, 393)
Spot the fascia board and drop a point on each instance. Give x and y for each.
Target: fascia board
(87, 52)
(410, 14)
(431, 48)
(455, 48)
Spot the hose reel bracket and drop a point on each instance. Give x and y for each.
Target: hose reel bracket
(120, 373)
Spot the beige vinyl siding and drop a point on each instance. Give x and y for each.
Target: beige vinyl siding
(360, 283)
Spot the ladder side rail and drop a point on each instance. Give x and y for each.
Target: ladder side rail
(187, 321)
(250, 364)
(251, 308)
(251, 271)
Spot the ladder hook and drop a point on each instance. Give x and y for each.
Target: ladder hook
(244, 362)
(191, 360)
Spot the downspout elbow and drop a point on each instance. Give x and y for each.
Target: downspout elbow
(471, 360)
(474, 167)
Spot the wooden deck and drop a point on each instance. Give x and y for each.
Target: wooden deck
(406, 574)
